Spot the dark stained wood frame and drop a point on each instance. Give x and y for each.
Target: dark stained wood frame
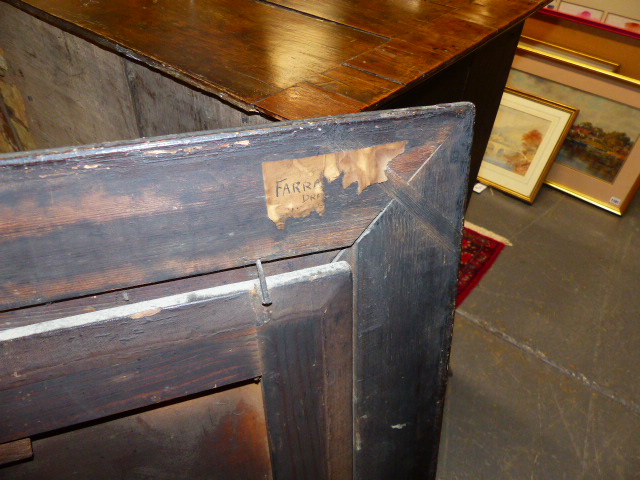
(68, 237)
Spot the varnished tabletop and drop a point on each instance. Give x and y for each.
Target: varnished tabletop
(290, 58)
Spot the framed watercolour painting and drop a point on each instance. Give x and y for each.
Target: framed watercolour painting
(600, 159)
(526, 137)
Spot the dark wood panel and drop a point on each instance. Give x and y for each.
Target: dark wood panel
(220, 436)
(76, 369)
(405, 293)
(165, 106)
(306, 349)
(77, 222)
(81, 368)
(486, 94)
(28, 316)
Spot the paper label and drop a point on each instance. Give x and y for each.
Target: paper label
(295, 188)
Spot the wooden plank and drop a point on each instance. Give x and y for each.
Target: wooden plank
(77, 369)
(248, 51)
(15, 451)
(356, 84)
(455, 26)
(218, 436)
(397, 65)
(81, 368)
(153, 210)
(306, 349)
(302, 100)
(243, 50)
(404, 303)
(43, 313)
(382, 17)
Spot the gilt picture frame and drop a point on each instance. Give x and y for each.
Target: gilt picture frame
(565, 54)
(525, 139)
(599, 162)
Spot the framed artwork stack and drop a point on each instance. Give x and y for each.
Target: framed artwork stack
(571, 125)
(526, 137)
(620, 16)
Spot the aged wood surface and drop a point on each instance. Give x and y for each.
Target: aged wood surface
(85, 367)
(219, 436)
(81, 221)
(261, 55)
(405, 266)
(28, 316)
(82, 368)
(306, 349)
(14, 451)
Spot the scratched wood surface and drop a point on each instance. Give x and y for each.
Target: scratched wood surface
(406, 266)
(262, 55)
(14, 451)
(82, 221)
(305, 342)
(89, 366)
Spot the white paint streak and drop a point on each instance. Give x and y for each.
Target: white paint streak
(149, 307)
(399, 426)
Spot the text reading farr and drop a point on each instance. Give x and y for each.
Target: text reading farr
(284, 188)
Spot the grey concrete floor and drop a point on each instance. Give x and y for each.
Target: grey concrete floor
(546, 350)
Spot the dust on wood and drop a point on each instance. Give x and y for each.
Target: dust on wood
(295, 188)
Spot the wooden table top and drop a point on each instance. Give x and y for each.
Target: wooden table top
(290, 59)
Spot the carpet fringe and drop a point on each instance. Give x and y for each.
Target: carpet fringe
(487, 233)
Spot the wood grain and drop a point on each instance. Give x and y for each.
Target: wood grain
(82, 368)
(263, 56)
(306, 349)
(78, 222)
(404, 308)
(125, 215)
(242, 50)
(397, 65)
(382, 17)
(15, 451)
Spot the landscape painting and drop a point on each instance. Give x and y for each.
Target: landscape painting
(603, 134)
(515, 139)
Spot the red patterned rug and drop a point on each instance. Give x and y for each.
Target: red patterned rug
(478, 254)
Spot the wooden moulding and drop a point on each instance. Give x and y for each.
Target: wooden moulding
(152, 210)
(121, 216)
